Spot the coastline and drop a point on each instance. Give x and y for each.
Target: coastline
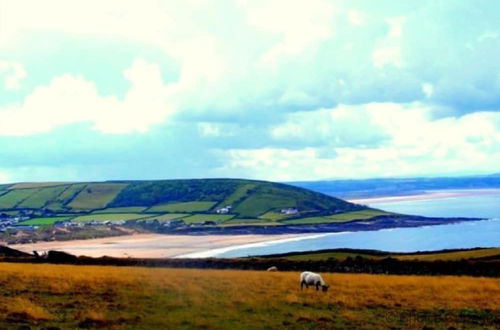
(428, 195)
(218, 251)
(153, 245)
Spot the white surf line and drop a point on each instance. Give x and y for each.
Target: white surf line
(219, 251)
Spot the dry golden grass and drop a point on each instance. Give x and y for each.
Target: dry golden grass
(126, 297)
(457, 255)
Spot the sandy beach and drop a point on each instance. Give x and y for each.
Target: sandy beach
(432, 194)
(150, 245)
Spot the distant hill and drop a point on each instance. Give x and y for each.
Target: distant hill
(228, 201)
(398, 186)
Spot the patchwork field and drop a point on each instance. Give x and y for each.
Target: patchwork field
(253, 203)
(40, 197)
(45, 296)
(343, 217)
(128, 209)
(96, 195)
(111, 217)
(196, 218)
(182, 207)
(14, 197)
(47, 221)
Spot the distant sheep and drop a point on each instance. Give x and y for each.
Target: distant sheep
(310, 278)
(272, 269)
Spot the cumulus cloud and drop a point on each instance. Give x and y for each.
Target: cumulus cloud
(13, 73)
(267, 89)
(338, 127)
(69, 99)
(414, 143)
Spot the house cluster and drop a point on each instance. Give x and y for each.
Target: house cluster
(78, 224)
(163, 223)
(11, 221)
(224, 210)
(290, 211)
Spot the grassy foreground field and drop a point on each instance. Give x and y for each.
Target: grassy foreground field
(120, 297)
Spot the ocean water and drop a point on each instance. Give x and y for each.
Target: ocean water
(479, 206)
(470, 234)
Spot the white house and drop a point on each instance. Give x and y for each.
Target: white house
(290, 211)
(224, 210)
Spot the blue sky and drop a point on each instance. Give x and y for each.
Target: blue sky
(262, 89)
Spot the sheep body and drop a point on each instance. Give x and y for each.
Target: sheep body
(310, 278)
(272, 269)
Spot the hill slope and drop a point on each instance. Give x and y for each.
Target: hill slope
(196, 200)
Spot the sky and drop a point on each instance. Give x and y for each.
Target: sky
(261, 89)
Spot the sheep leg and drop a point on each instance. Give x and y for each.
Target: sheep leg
(317, 286)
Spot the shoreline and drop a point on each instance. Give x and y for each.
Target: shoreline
(153, 245)
(427, 195)
(215, 253)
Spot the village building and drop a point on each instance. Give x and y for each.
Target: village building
(290, 211)
(224, 210)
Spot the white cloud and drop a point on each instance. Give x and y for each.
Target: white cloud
(396, 27)
(335, 127)
(14, 73)
(355, 17)
(298, 25)
(377, 74)
(416, 145)
(4, 177)
(427, 89)
(143, 21)
(72, 99)
(387, 55)
(216, 130)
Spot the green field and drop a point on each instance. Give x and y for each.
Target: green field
(70, 192)
(240, 193)
(4, 186)
(198, 218)
(248, 222)
(111, 217)
(42, 197)
(96, 195)
(342, 217)
(168, 216)
(273, 216)
(44, 221)
(256, 205)
(26, 185)
(15, 197)
(129, 209)
(250, 200)
(182, 207)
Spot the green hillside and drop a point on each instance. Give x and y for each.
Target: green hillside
(200, 199)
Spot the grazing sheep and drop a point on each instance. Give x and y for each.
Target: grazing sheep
(310, 278)
(272, 269)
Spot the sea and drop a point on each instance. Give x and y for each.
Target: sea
(469, 234)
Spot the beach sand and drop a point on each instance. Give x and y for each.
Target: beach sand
(432, 194)
(150, 245)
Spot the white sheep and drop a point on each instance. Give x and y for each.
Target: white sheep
(310, 278)
(272, 269)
